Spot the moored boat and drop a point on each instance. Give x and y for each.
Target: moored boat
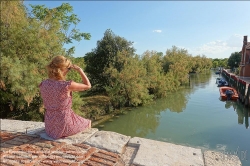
(218, 72)
(222, 83)
(218, 79)
(228, 93)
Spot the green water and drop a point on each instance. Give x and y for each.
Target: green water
(194, 116)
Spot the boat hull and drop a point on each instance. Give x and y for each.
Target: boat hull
(224, 95)
(221, 82)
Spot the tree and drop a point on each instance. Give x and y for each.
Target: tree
(234, 60)
(156, 82)
(28, 42)
(215, 64)
(105, 55)
(128, 86)
(177, 61)
(64, 17)
(219, 62)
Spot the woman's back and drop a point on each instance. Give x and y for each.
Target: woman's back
(55, 95)
(60, 120)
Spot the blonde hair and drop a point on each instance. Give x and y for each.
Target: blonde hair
(54, 67)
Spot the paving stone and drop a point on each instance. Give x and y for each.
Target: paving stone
(219, 159)
(4, 136)
(77, 138)
(28, 127)
(34, 151)
(99, 148)
(156, 153)
(129, 155)
(108, 140)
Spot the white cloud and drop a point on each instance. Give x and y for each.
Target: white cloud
(219, 48)
(213, 47)
(235, 40)
(157, 30)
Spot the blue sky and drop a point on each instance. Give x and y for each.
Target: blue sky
(211, 28)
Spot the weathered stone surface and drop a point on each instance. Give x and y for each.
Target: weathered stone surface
(33, 151)
(219, 159)
(129, 155)
(28, 127)
(139, 151)
(108, 140)
(77, 138)
(156, 153)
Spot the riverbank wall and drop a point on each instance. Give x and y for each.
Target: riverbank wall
(26, 143)
(241, 84)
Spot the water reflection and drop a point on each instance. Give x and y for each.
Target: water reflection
(229, 104)
(243, 115)
(135, 123)
(143, 120)
(193, 116)
(176, 102)
(242, 112)
(200, 80)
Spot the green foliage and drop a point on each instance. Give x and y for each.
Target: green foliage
(73, 75)
(234, 60)
(78, 103)
(105, 55)
(215, 64)
(64, 17)
(219, 62)
(118, 76)
(155, 78)
(201, 63)
(95, 107)
(128, 86)
(177, 61)
(130, 80)
(25, 49)
(28, 42)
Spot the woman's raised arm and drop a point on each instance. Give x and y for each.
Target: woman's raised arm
(85, 85)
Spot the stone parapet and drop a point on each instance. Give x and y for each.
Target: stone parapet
(26, 143)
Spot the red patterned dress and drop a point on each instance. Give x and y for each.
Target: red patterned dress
(60, 120)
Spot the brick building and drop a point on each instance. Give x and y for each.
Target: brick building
(245, 59)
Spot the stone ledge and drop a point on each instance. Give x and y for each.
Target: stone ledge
(108, 140)
(17, 135)
(218, 159)
(156, 153)
(27, 150)
(17, 126)
(77, 138)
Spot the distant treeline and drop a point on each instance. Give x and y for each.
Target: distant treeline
(228, 63)
(120, 78)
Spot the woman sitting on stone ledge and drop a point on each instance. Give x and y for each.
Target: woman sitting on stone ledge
(60, 120)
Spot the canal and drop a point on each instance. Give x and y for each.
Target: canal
(194, 116)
